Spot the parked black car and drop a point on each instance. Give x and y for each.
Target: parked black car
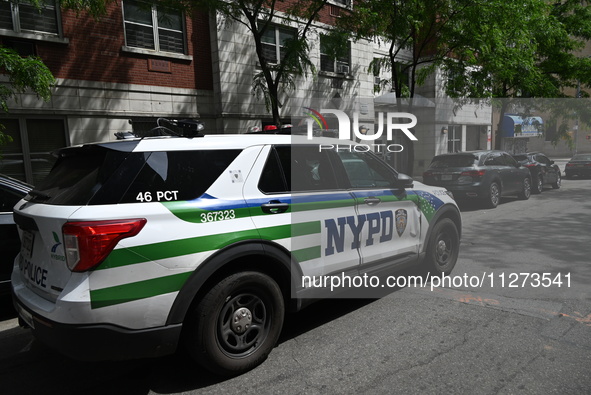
(484, 175)
(11, 191)
(543, 170)
(579, 165)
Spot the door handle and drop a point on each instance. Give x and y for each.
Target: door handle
(274, 207)
(371, 201)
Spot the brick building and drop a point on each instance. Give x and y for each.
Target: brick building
(133, 65)
(130, 65)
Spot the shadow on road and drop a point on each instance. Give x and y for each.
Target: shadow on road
(54, 373)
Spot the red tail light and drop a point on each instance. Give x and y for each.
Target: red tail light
(530, 165)
(87, 244)
(473, 173)
(427, 174)
(569, 165)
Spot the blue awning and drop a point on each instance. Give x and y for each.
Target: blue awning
(517, 126)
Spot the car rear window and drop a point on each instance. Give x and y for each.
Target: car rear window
(94, 175)
(178, 175)
(453, 161)
(520, 157)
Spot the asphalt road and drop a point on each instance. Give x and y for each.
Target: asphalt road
(488, 338)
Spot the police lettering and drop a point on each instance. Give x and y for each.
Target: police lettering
(379, 224)
(34, 273)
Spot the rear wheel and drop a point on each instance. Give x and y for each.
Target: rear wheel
(494, 195)
(443, 248)
(525, 189)
(236, 324)
(558, 181)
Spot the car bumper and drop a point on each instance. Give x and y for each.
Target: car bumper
(100, 341)
(583, 172)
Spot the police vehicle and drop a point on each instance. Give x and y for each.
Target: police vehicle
(137, 248)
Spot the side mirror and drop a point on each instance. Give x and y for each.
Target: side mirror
(551, 162)
(404, 181)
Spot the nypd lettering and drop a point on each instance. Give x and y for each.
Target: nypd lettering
(380, 229)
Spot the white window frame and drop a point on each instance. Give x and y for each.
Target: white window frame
(155, 29)
(278, 44)
(339, 67)
(41, 35)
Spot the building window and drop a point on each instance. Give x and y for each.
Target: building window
(28, 156)
(454, 138)
(155, 28)
(339, 63)
(23, 17)
(343, 3)
(274, 42)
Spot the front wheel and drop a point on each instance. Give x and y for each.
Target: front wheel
(443, 248)
(236, 324)
(558, 181)
(538, 184)
(525, 189)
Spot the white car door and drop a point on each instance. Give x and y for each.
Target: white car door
(297, 203)
(388, 218)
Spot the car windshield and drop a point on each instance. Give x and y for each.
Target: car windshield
(582, 157)
(453, 161)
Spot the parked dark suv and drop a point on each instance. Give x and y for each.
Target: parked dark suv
(579, 165)
(543, 170)
(484, 175)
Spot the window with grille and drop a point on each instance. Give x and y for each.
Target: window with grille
(23, 17)
(341, 63)
(156, 28)
(274, 40)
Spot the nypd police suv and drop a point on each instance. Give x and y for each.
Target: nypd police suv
(140, 247)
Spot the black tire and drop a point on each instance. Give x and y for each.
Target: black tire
(526, 189)
(442, 249)
(537, 184)
(558, 182)
(494, 195)
(236, 324)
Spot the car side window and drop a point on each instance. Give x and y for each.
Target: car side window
(542, 159)
(273, 178)
(366, 171)
(8, 199)
(493, 160)
(508, 160)
(297, 169)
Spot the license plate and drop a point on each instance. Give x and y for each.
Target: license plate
(27, 245)
(26, 316)
(446, 177)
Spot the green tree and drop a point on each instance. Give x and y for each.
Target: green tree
(23, 74)
(418, 35)
(30, 73)
(258, 17)
(525, 49)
